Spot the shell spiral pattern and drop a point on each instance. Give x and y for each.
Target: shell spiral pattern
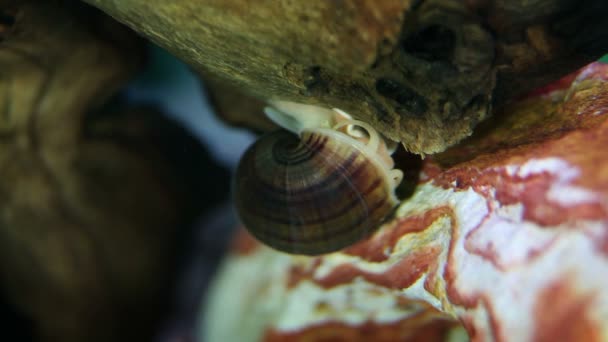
(313, 194)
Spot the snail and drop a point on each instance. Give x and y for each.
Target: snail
(321, 185)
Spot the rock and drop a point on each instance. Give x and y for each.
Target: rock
(505, 236)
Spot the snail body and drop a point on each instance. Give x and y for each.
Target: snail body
(317, 190)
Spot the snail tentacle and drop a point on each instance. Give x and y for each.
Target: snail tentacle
(351, 129)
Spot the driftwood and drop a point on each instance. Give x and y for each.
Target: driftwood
(91, 198)
(422, 72)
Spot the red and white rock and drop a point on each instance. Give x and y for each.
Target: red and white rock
(504, 239)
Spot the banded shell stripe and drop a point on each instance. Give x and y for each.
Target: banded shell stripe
(319, 219)
(280, 200)
(312, 194)
(313, 188)
(354, 226)
(302, 153)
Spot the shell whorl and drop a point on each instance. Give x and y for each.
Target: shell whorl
(313, 194)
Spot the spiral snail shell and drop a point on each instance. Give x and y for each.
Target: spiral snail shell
(317, 189)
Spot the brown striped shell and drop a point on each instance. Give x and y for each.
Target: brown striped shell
(316, 193)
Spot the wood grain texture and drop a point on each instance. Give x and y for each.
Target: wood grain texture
(422, 72)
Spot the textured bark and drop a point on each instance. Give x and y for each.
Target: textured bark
(422, 72)
(90, 199)
(237, 108)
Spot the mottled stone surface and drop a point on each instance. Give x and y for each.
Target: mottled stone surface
(505, 235)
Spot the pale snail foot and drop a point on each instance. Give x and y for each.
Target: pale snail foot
(297, 117)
